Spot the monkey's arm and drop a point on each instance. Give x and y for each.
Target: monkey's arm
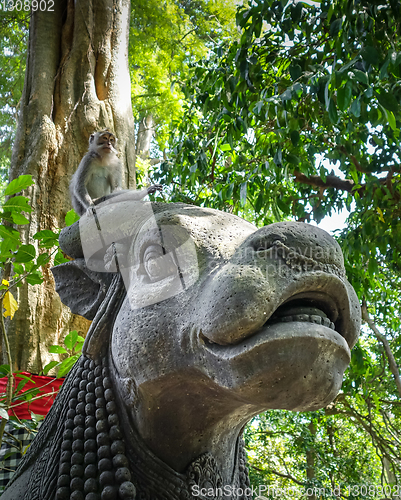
(83, 197)
(80, 197)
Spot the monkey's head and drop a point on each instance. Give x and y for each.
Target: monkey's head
(103, 142)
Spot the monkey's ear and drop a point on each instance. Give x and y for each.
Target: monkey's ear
(91, 138)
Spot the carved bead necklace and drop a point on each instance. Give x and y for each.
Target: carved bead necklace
(93, 465)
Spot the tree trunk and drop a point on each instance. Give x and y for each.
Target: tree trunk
(145, 134)
(77, 81)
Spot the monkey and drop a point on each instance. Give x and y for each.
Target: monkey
(100, 173)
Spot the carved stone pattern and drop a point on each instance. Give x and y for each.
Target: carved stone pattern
(85, 451)
(44, 452)
(205, 474)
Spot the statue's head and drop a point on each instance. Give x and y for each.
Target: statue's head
(218, 318)
(200, 321)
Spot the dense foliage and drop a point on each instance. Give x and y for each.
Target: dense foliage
(21, 262)
(164, 38)
(299, 118)
(305, 84)
(13, 45)
(294, 116)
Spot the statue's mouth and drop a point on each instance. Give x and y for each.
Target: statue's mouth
(309, 307)
(317, 311)
(296, 359)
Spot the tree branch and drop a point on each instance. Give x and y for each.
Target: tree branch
(10, 376)
(356, 163)
(286, 476)
(332, 181)
(391, 360)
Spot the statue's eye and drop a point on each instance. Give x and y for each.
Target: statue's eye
(157, 263)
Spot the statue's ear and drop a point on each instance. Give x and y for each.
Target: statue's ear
(79, 288)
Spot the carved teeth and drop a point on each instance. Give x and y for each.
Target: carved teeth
(316, 319)
(307, 318)
(302, 317)
(298, 310)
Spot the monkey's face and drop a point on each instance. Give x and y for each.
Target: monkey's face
(106, 143)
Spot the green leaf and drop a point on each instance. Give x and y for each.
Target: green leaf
(25, 253)
(34, 279)
(18, 185)
(387, 100)
(57, 349)
(256, 109)
(242, 193)
(356, 107)
(333, 115)
(59, 258)
(370, 55)
(282, 206)
(4, 370)
(391, 120)
(241, 124)
(361, 76)
(259, 202)
(335, 27)
(295, 71)
(10, 236)
(21, 384)
(71, 217)
(344, 95)
(383, 70)
(45, 233)
(293, 159)
(397, 60)
(50, 366)
(19, 219)
(42, 259)
(78, 346)
(46, 238)
(71, 339)
(66, 365)
(19, 203)
(294, 135)
(225, 147)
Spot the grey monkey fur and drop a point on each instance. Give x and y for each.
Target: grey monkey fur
(100, 173)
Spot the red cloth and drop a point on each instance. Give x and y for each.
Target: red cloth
(40, 406)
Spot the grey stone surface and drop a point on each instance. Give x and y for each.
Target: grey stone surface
(208, 322)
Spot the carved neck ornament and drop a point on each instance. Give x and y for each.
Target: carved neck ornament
(97, 462)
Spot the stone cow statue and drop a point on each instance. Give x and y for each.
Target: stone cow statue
(200, 322)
